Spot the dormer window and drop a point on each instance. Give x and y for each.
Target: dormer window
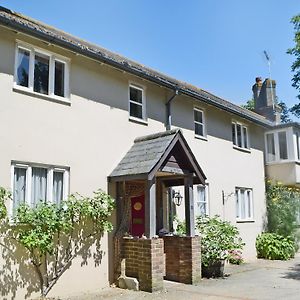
(41, 72)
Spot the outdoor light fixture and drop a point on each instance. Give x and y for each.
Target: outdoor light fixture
(177, 198)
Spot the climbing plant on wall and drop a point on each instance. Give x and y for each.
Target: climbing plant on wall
(53, 235)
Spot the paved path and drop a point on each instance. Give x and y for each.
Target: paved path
(261, 280)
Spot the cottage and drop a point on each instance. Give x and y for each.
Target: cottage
(75, 117)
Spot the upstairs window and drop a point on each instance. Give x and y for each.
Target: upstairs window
(41, 72)
(277, 148)
(136, 102)
(33, 183)
(199, 123)
(244, 204)
(240, 135)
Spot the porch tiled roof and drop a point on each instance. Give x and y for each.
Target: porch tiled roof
(144, 154)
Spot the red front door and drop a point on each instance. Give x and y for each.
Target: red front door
(138, 215)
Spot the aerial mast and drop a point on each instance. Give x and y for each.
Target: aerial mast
(271, 82)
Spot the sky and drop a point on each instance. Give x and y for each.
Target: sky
(216, 45)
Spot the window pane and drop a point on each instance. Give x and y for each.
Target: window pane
(23, 67)
(38, 185)
(237, 204)
(245, 134)
(270, 147)
(199, 129)
(243, 205)
(297, 144)
(136, 95)
(58, 182)
(282, 145)
(19, 191)
(248, 198)
(198, 116)
(136, 110)
(41, 74)
(201, 201)
(233, 134)
(59, 79)
(239, 135)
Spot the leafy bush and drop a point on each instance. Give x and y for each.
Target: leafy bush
(180, 226)
(274, 246)
(217, 239)
(4, 196)
(283, 206)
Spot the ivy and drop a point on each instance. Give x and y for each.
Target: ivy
(4, 196)
(54, 235)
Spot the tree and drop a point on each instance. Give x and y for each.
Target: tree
(249, 104)
(285, 116)
(296, 65)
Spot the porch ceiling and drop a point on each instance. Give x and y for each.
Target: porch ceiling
(153, 155)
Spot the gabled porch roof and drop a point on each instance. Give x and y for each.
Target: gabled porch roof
(160, 154)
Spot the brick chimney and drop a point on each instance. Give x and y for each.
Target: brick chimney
(265, 100)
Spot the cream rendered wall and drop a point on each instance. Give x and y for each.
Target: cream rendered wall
(93, 133)
(226, 167)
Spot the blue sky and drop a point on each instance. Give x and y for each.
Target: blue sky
(216, 45)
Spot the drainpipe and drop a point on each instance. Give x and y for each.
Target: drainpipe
(168, 107)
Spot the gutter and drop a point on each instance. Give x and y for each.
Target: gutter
(125, 66)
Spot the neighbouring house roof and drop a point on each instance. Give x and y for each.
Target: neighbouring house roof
(152, 153)
(52, 35)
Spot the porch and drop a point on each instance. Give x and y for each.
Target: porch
(144, 179)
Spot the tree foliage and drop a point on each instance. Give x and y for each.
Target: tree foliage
(295, 51)
(283, 208)
(249, 105)
(53, 235)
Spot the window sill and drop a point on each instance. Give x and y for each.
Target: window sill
(200, 137)
(29, 92)
(282, 161)
(245, 221)
(137, 120)
(246, 150)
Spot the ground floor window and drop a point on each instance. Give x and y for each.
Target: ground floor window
(32, 183)
(201, 200)
(244, 204)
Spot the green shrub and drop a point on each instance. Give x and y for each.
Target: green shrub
(274, 246)
(283, 205)
(217, 239)
(4, 196)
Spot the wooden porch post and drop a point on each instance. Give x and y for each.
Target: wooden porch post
(189, 205)
(150, 208)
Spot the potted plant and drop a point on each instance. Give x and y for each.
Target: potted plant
(218, 239)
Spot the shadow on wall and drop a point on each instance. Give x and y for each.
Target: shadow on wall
(18, 270)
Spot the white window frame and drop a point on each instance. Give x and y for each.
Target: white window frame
(196, 197)
(50, 169)
(143, 104)
(239, 206)
(197, 122)
(235, 141)
(290, 144)
(52, 58)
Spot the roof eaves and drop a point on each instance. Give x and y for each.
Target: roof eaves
(47, 33)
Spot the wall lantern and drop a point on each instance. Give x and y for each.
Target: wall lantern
(177, 198)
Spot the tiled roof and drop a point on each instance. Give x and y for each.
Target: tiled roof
(52, 35)
(145, 153)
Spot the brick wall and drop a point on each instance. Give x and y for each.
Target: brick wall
(183, 259)
(144, 260)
